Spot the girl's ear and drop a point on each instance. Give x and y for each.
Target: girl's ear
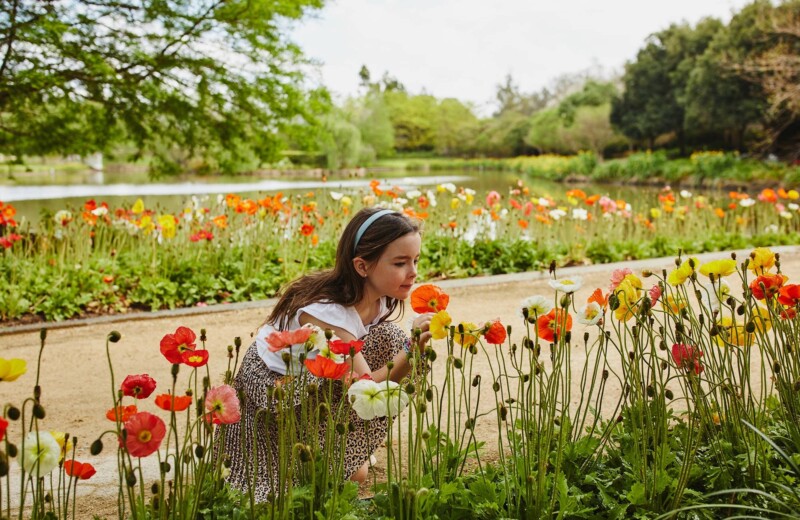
(360, 266)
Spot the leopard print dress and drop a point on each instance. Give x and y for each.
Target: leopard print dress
(250, 447)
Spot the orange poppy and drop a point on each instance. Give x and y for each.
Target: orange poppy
(306, 230)
(121, 413)
(523, 223)
(175, 403)
(221, 221)
(79, 470)
(321, 366)
(789, 295)
(767, 285)
(719, 212)
(591, 200)
(553, 323)
(576, 194)
(429, 298)
(496, 333)
(597, 297)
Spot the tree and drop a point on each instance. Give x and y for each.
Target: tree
(413, 119)
(204, 76)
(456, 128)
(653, 100)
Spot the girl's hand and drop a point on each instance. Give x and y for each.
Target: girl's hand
(423, 323)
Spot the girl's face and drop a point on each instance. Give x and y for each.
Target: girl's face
(396, 270)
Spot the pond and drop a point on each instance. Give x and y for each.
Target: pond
(172, 195)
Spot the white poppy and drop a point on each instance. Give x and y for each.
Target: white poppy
(40, 456)
(567, 285)
(686, 194)
(556, 214)
(580, 214)
(537, 305)
(746, 203)
(591, 314)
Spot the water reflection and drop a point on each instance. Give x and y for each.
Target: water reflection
(98, 190)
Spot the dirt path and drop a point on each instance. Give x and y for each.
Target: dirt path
(77, 390)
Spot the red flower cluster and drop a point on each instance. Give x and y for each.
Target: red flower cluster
(687, 357)
(180, 348)
(121, 413)
(173, 403)
(767, 286)
(340, 347)
(555, 322)
(7, 241)
(7, 212)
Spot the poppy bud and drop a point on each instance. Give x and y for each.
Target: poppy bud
(473, 349)
(203, 336)
(340, 428)
(750, 326)
(664, 365)
(426, 435)
(37, 392)
(701, 320)
(527, 377)
(286, 358)
(475, 381)
(12, 450)
(301, 357)
(668, 394)
(525, 313)
(496, 386)
(650, 391)
(586, 337)
(410, 389)
(130, 478)
(631, 355)
(469, 424)
(613, 302)
(678, 262)
(508, 330)
(503, 413)
(328, 334)
(619, 418)
(552, 267)
(430, 354)
(429, 394)
(647, 273)
(114, 336)
(776, 368)
(740, 310)
(714, 330)
(568, 336)
(230, 350)
(38, 411)
(42, 334)
(322, 409)
(390, 365)
(278, 393)
(13, 413)
(96, 447)
(423, 407)
(312, 388)
(154, 503)
(605, 374)
(458, 364)
(199, 451)
(48, 498)
(155, 488)
(174, 370)
(3, 464)
(351, 427)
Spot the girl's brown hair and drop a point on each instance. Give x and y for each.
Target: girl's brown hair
(342, 284)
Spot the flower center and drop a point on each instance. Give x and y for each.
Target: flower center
(144, 436)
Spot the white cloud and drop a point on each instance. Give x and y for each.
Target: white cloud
(464, 48)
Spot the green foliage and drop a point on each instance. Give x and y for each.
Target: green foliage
(70, 85)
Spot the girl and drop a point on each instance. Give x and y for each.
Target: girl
(376, 265)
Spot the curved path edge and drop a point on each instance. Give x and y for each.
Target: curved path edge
(445, 284)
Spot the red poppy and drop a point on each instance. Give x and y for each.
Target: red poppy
(145, 432)
(554, 322)
(79, 470)
(195, 358)
(281, 339)
(3, 426)
(771, 285)
(173, 403)
(496, 333)
(686, 357)
(307, 230)
(789, 295)
(321, 366)
(338, 346)
(174, 345)
(429, 298)
(121, 413)
(138, 386)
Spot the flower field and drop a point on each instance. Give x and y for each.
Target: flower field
(98, 259)
(650, 394)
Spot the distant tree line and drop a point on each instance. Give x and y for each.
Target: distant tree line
(732, 86)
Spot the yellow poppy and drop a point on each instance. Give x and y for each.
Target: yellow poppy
(11, 369)
(718, 268)
(440, 323)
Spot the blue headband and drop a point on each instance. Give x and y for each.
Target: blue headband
(367, 223)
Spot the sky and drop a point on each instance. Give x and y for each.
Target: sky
(465, 48)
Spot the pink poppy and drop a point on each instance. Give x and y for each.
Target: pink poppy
(279, 340)
(144, 433)
(222, 405)
(617, 276)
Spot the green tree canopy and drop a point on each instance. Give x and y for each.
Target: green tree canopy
(205, 76)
